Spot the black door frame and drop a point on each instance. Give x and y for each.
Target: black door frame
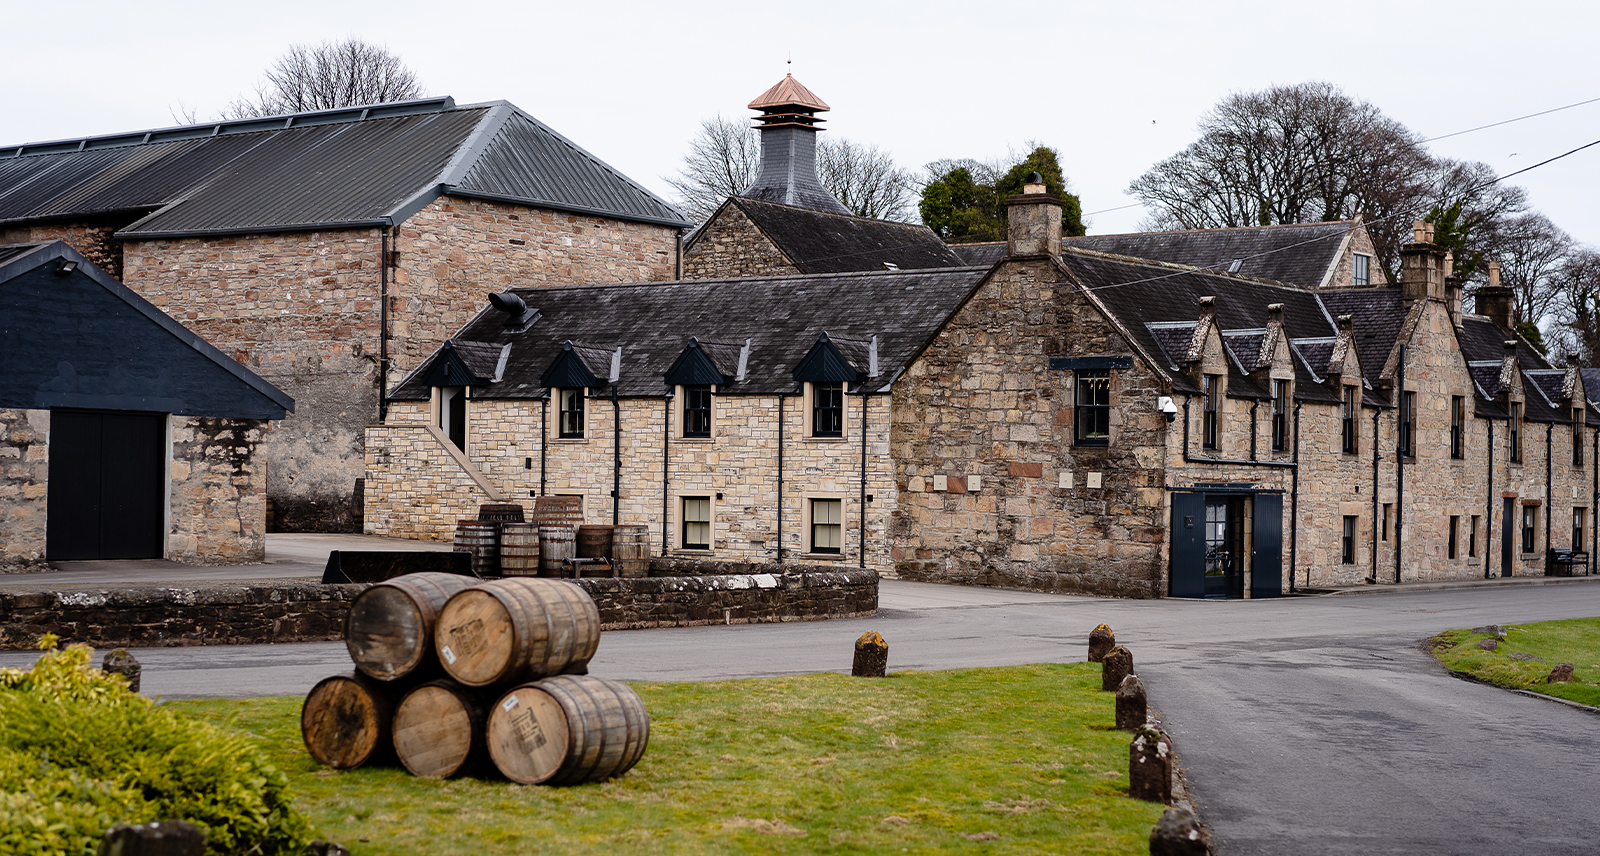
(1187, 544)
(107, 492)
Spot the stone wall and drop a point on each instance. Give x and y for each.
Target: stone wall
(24, 488)
(993, 490)
(415, 488)
(90, 237)
(218, 514)
(811, 594)
(731, 245)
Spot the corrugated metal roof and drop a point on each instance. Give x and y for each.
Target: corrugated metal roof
(315, 170)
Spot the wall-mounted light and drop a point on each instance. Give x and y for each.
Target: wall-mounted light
(65, 267)
(1167, 407)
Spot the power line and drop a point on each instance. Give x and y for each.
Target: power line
(1509, 121)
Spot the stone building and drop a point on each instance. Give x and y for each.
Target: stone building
(1063, 419)
(787, 222)
(333, 251)
(122, 434)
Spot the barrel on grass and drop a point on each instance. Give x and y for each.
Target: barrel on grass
(630, 549)
(501, 512)
(519, 549)
(555, 548)
(481, 538)
(568, 730)
(439, 729)
(516, 629)
(389, 628)
(346, 719)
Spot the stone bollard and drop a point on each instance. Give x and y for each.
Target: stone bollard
(120, 662)
(1101, 640)
(1561, 674)
(1132, 708)
(1150, 765)
(1178, 833)
(872, 656)
(156, 838)
(1117, 665)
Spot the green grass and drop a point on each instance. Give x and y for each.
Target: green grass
(1575, 641)
(1012, 760)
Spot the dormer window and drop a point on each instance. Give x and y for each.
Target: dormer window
(452, 415)
(1516, 432)
(1577, 436)
(1352, 407)
(697, 411)
(571, 413)
(827, 409)
(1280, 415)
(1361, 269)
(1212, 396)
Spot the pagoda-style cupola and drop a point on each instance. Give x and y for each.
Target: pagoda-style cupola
(789, 126)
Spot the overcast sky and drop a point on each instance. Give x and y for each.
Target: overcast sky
(1115, 87)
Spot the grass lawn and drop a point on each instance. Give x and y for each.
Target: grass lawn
(1575, 641)
(1022, 759)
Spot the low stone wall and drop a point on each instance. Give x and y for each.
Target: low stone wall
(799, 595)
(167, 617)
(312, 612)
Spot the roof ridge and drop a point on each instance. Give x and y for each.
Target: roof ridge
(743, 198)
(1183, 268)
(910, 272)
(1217, 229)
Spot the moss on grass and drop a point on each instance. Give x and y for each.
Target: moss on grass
(1012, 760)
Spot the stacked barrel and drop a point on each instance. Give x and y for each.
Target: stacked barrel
(503, 543)
(452, 677)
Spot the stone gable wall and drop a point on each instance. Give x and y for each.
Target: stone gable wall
(90, 237)
(731, 246)
(415, 489)
(218, 514)
(981, 403)
(24, 487)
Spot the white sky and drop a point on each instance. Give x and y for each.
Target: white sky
(1115, 87)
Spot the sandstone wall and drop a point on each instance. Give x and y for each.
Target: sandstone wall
(91, 237)
(415, 489)
(731, 246)
(218, 514)
(24, 487)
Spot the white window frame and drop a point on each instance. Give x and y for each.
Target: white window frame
(583, 400)
(810, 500)
(680, 541)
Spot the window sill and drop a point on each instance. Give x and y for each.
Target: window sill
(1091, 444)
(824, 439)
(822, 557)
(692, 551)
(697, 441)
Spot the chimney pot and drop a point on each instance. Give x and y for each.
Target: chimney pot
(1494, 273)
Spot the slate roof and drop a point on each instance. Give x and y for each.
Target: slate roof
(1378, 312)
(361, 166)
(83, 339)
(824, 242)
(1149, 298)
(986, 253)
(782, 317)
(1299, 254)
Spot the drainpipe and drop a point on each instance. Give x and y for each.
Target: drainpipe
(1399, 471)
(383, 329)
(862, 524)
(1294, 505)
(1594, 505)
(666, 457)
(1377, 456)
(544, 436)
(1488, 508)
(779, 510)
(616, 457)
(1254, 406)
(1549, 433)
(677, 265)
(1195, 459)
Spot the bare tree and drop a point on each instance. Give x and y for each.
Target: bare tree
(328, 76)
(1536, 260)
(725, 156)
(1578, 282)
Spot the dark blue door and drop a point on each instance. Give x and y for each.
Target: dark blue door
(107, 491)
(1186, 574)
(1266, 559)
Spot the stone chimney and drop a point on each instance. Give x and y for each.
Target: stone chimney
(1452, 289)
(1422, 265)
(789, 128)
(1494, 302)
(1033, 220)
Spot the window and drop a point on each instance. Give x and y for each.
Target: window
(1472, 538)
(1408, 423)
(1516, 432)
(827, 527)
(1530, 517)
(453, 414)
(1578, 515)
(1577, 436)
(827, 409)
(697, 523)
(1455, 528)
(1458, 426)
(571, 412)
(1352, 406)
(1092, 416)
(1213, 390)
(1361, 271)
(1385, 529)
(697, 411)
(1347, 543)
(1280, 415)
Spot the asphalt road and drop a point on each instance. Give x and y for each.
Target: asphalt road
(1306, 725)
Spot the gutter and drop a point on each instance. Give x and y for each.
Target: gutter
(1192, 459)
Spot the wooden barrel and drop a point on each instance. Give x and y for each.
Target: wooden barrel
(606, 725)
(481, 538)
(519, 549)
(594, 541)
(630, 550)
(439, 729)
(345, 721)
(501, 512)
(516, 629)
(555, 548)
(389, 628)
(558, 511)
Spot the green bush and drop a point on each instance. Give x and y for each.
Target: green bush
(79, 752)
